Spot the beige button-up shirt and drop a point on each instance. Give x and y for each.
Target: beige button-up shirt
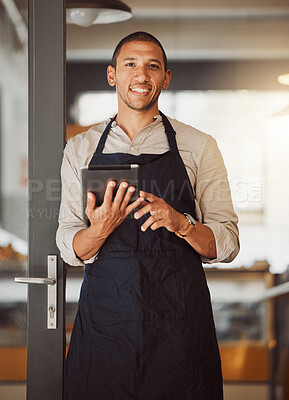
(204, 165)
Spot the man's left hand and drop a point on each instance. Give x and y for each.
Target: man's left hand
(162, 215)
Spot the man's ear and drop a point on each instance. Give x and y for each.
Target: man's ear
(110, 75)
(167, 79)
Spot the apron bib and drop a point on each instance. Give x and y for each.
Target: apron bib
(144, 328)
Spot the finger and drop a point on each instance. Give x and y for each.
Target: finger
(130, 191)
(120, 193)
(149, 196)
(144, 210)
(156, 225)
(90, 203)
(143, 204)
(151, 220)
(133, 205)
(109, 192)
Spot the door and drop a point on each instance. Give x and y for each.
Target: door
(29, 207)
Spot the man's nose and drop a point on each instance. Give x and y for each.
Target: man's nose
(141, 74)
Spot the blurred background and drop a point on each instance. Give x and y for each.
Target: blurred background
(226, 58)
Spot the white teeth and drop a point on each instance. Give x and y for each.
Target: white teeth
(140, 90)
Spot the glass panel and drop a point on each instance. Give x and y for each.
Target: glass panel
(13, 196)
(238, 312)
(239, 321)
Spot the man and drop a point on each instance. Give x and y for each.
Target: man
(144, 327)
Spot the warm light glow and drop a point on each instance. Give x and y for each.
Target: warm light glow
(96, 107)
(284, 79)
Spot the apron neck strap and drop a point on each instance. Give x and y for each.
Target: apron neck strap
(103, 137)
(170, 133)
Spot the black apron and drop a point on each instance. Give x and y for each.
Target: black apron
(144, 328)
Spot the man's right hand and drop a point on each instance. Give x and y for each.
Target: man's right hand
(112, 212)
(104, 219)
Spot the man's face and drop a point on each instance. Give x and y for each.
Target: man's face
(139, 75)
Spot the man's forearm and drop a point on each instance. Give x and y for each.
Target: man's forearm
(86, 243)
(203, 241)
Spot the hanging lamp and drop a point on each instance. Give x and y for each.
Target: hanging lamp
(90, 12)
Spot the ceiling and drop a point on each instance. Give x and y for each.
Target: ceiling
(194, 30)
(188, 29)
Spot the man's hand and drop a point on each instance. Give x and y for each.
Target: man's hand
(104, 219)
(201, 239)
(111, 213)
(162, 215)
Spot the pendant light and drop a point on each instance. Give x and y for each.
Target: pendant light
(90, 12)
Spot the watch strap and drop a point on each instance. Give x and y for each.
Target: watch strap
(191, 227)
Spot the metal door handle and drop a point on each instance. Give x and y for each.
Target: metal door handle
(39, 281)
(51, 282)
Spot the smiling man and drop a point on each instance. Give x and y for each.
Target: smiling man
(144, 327)
(138, 92)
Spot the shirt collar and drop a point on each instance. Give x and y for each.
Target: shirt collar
(157, 119)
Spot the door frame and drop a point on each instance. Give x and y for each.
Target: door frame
(46, 59)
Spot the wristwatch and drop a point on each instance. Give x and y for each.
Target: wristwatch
(191, 227)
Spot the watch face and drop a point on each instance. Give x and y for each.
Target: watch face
(190, 219)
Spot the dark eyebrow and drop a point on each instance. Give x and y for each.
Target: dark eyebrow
(133, 59)
(128, 59)
(156, 61)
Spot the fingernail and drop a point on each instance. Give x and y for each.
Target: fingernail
(112, 184)
(141, 199)
(89, 196)
(136, 215)
(142, 228)
(131, 189)
(141, 193)
(124, 184)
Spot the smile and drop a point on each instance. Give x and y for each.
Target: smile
(139, 90)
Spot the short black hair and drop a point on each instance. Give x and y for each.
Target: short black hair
(138, 37)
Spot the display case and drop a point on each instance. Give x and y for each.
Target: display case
(244, 327)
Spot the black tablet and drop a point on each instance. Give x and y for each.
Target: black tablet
(95, 178)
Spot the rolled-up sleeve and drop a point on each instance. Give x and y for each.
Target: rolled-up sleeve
(70, 214)
(214, 203)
